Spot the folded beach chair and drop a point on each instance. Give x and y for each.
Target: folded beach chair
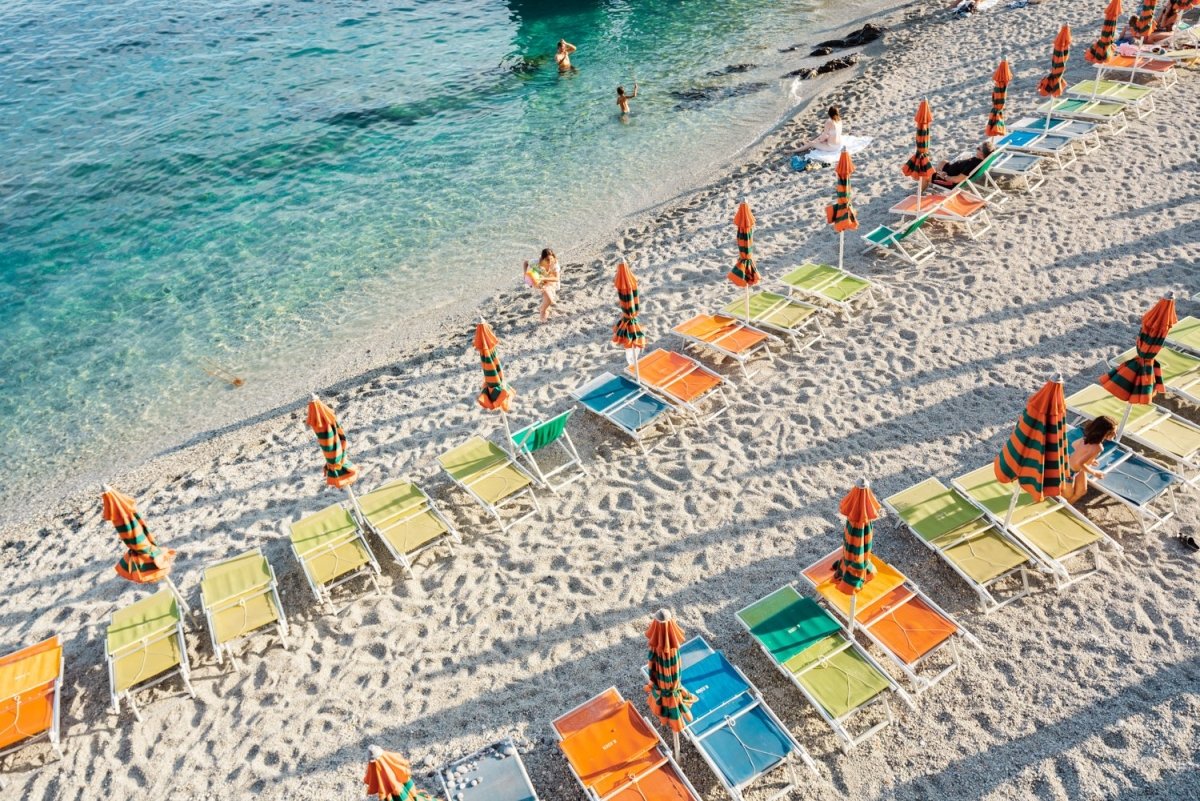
(1057, 149)
(1106, 113)
(736, 733)
(239, 596)
(331, 549)
(1024, 169)
(1159, 69)
(615, 754)
(726, 336)
(918, 635)
(144, 646)
(542, 435)
(1140, 485)
(494, 773)
(957, 531)
(1086, 135)
(837, 676)
(1134, 97)
(828, 284)
(906, 241)
(406, 519)
(1185, 335)
(1153, 427)
(30, 696)
(681, 381)
(980, 183)
(487, 473)
(1180, 372)
(798, 321)
(1052, 531)
(627, 405)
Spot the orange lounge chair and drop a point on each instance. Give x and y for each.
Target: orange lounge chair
(30, 687)
(615, 754)
(1161, 69)
(681, 381)
(726, 336)
(895, 615)
(958, 207)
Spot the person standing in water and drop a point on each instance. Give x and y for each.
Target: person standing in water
(545, 279)
(562, 56)
(623, 99)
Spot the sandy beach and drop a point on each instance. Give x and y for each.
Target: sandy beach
(1091, 693)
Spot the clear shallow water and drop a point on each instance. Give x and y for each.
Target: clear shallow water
(262, 183)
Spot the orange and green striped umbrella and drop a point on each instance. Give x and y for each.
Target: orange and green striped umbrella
(144, 561)
(1140, 379)
(496, 394)
(628, 331)
(860, 508)
(841, 214)
(918, 167)
(389, 776)
(1001, 78)
(1144, 25)
(340, 472)
(1035, 455)
(744, 273)
(1102, 48)
(665, 693)
(1053, 84)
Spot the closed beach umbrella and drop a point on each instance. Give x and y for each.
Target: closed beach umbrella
(144, 562)
(389, 776)
(1102, 48)
(1144, 25)
(665, 693)
(496, 395)
(841, 214)
(340, 472)
(1140, 379)
(1053, 84)
(853, 568)
(1035, 457)
(918, 167)
(1001, 78)
(628, 331)
(745, 272)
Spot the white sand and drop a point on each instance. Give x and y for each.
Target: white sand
(1092, 693)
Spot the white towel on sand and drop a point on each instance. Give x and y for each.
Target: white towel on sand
(854, 144)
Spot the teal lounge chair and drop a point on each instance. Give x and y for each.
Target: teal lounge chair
(540, 436)
(906, 241)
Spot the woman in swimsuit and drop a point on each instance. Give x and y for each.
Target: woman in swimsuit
(1084, 454)
(831, 137)
(547, 281)
(562, 56)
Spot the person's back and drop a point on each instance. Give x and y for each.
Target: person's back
(623, 99)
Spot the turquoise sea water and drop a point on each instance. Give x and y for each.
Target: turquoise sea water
(182, 182)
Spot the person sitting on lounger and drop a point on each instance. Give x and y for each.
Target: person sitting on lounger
(831, 137)
(1084, 454)
(952, 173)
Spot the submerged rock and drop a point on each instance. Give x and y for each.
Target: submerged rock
(731, 70)
(841, 63)
(701, 96)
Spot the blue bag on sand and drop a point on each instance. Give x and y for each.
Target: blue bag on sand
(799, 163)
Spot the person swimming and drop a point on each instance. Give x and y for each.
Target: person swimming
(623, 99)
(562, 56)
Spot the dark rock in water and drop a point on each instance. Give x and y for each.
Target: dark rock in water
(867, 33)
(731, 70)
(701, 96)
(791, 49)
(821, 51)
(804, 73)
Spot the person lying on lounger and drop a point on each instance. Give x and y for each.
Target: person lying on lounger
(952, 173)
(1084, 454)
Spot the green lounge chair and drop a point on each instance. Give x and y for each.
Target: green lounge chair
(540, 436)
(144, 646)
(1153, 427)
(1052, 531)
(808, 645)
(1106, 113)
(406, 520)
(829, 285)
(1135, 98)
(239, 596)
(489, 475)
(952, 527)
(1180, 372)
(1185, 334)
(793, 319)
(908, 242)
(332, 550)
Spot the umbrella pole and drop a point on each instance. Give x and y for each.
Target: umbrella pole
(183, 607)
(853, 603)
(676, 744)
(920, 182)
(354, 502)
(1124, 420)
(747, 303)
(1012, 505)
(841, 247)
(508, 441)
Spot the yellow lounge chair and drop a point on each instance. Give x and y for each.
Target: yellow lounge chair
(144, 646)
(406, 520)
(239, 596)
(829, 284)
(331, 549)
(30, 696)
(492, 477)
(779, 314)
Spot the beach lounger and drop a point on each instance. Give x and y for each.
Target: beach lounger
(739, 737)
(1055, 149)
(918, 635)
(31, 696)
(144, 647)
(1180, 372)
(828, 284)
(1083, 133)
(1140, 485)
(798, 321)
(837, 676)
(487, 473)
(239, 596)
(332, 550)
(906, 241)
(616, 755)
(726, 336)
(1159, 69)
(628, 406)
(980, 183)
(1153, 427)
(1024, 169)
(1052, 531)
(542, 435)
(1106, 113)
(955, 206)
(1185, 335)
(958, 532)
(406, 519)
(494, 773)
(681, 381)
(1135, 98)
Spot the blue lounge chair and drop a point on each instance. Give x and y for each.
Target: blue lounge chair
(624, 403)
(495, 773)
(1134, 481)
(1055, 148)
(1085, 134)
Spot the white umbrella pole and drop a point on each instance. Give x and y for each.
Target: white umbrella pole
(1012, 504)
(841, 247)
(853, 603)
(676, 744)
(354, 502)
(183, 607)
(747, 303)
(1124, 420)
(508, 440)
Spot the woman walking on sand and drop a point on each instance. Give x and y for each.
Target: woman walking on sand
(544, 277)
